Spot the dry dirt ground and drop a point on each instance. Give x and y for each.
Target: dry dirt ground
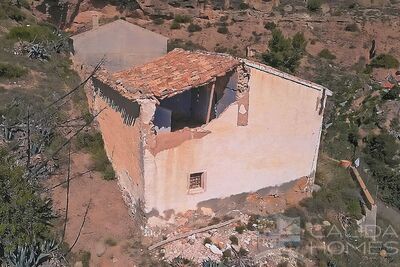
(110, 231)
(107, 218)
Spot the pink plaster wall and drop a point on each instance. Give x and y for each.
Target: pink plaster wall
(279, 144)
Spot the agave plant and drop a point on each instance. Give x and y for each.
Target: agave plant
(211, 263)
(32, 255)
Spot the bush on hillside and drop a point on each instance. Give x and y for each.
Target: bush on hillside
(353, 27)
(285, 53)
(314, 5)
(385, 61)
(93, 142)
(31, 33)
(11, 70)
(175, 25)
(158, 21)
(270, 25)
(194, 28)
(325, 53)
(186, 45)
(222, 30)
(392, 94)
(182, 18)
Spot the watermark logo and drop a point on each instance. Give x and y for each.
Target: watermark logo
(371, 240)
(280, 231)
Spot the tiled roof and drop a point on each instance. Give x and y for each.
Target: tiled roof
(175, 72)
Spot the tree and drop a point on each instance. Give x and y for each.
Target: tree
(285, 53)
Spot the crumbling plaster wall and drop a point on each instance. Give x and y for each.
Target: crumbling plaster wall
(123, 147)
(278, 145)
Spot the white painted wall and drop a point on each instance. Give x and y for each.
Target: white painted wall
(278, 145)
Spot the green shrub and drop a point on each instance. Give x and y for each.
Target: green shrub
(11, 71)
(10, 10)
(214, 220)
(223, 30)
(194, 28)
(385, 61)
(244, 6)
(24, 215)
(15, 13)
(93, 143)
(110, 242)
(220, 49)
(314, 5)
(85, 258)
(158, 21)
(243, 252)
(383, 148)
(240, 229)
(270, 25)
(392, 94)
(226, 254)
(186, 45)
(234, 240)
(285, 53)
(353, 27)
(354, 208)
(182, 18)
(175, 25)
(31, 33)
(325, 53)
(223, 18)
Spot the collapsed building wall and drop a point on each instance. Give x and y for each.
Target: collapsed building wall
(257, 127)
(269, 136)
(120, 129)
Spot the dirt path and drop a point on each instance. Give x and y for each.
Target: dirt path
(107, 219)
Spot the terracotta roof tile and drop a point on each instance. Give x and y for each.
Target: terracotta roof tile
(177, 71)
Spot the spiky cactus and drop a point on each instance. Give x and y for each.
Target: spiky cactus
(33, 255)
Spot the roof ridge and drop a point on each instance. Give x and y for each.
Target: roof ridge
(103, 26)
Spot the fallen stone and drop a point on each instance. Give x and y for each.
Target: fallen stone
(325, 8)
(216, 239)
(215, 250)
(207, 211)
(100, 248)
(316, 188)
(288, 8)
(191, 239)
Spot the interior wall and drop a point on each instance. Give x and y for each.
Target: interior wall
(200, 102)
(180, 105)
(162, 119)
(279, 144)
(228, 94)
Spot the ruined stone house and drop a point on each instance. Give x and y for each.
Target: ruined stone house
(120, 43)
(192, 126)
